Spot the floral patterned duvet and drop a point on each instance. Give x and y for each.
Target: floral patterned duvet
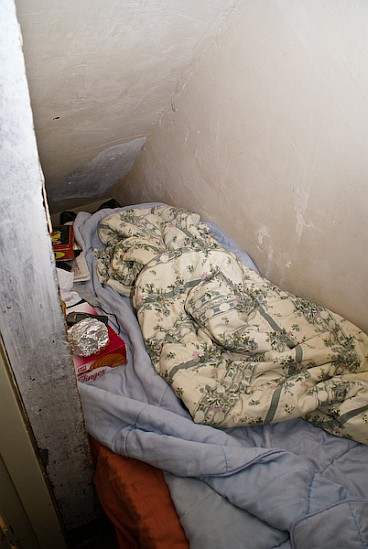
(235, 348)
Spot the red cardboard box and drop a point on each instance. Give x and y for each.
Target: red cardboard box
(113, 355)
(62, 238)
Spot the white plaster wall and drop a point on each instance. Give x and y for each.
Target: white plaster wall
(32, 325)
(269, 138)
(101, 73)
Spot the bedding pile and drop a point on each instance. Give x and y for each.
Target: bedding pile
(235, 348)
(286, 484)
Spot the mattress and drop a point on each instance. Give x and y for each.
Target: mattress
(284, 484)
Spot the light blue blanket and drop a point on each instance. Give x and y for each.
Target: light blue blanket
(292, 484)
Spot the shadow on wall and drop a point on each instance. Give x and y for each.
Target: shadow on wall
(95, 178)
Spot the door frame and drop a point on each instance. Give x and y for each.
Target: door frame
(33, 520)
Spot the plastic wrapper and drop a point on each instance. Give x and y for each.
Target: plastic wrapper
(88, 337)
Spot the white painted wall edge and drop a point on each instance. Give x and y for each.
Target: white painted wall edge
(32, 324)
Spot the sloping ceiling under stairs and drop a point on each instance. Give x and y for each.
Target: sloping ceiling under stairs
(100, 74)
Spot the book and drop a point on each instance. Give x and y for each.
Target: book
(62, 239)
(80, 269)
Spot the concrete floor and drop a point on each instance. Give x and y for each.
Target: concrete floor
(97, 535)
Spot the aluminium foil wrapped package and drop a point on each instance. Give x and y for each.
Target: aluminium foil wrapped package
(88, 337)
